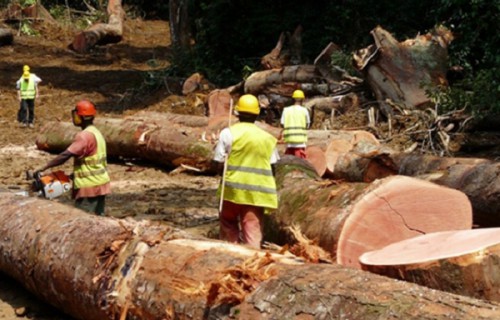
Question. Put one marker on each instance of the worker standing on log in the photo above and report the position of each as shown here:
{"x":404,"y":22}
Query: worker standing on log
{"x":295,"y":121}
{"x":248,"y":186}
{"x":27,"y":92}
{"x":91,"y":182}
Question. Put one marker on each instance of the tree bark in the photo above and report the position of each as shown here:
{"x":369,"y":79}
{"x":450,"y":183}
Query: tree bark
{"x":464,"y":262}
{"x":166,"y":141}
{"x":396,"y":70}
{"x":179,"y":24}
{"x":348,"y":219}
{"x":259,"y":82}
{"x":141,"y":270}
{"x":171,"y":139}
{"x":102,"y":33}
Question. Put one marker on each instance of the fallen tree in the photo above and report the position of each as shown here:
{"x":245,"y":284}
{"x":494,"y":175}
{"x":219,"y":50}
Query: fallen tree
{"x":348,"y":219}
{"x":139,"y":270}
{"x":395,"y":70}
{"x":102,"y":33}
{"x":463,"y":262}
{"x":170,"y":139}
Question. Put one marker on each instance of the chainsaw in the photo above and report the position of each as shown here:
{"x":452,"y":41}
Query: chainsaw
{"x":51,"y":185}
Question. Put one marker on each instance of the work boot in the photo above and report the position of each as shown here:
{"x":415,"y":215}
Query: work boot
{"x":31,"y":125}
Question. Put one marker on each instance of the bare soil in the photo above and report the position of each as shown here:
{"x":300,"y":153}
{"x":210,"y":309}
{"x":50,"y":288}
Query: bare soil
{"x":113,"y":78}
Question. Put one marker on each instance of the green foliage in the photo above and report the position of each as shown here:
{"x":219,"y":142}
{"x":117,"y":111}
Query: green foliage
{"x":27,"y":29}
{"x":343,"y":60}
{"x":27,"y":3}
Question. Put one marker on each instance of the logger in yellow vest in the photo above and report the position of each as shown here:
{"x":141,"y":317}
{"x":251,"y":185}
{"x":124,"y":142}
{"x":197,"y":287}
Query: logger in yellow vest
{"x":27,"y":92}
{"x":295,"y":121}
{"x":248,"y":184}
{"x":91,"y":181}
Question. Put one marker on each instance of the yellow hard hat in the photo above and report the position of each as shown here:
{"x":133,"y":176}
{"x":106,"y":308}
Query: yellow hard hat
{"x":298,"y":94}
{"x":26,"y":68}
{"x":248,"y":103}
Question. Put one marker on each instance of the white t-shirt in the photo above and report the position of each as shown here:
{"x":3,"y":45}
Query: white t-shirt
{"x":225,"y":142}
{"x":35,"y":78}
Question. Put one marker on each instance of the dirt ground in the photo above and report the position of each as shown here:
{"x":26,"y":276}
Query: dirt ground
{"x":112,"y":78}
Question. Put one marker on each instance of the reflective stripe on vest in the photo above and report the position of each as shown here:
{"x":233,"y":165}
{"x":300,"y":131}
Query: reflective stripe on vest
{"x":91,"y":171}
{"x":28,"y":89}
{"x":295,"y":131}
{"x":249,"y":178}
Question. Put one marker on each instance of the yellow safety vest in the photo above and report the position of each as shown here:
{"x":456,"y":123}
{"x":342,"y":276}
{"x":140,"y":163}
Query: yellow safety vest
{"x":91,"y":171}
{"x":295,"y":131}
{"x":249,"y":178}
{"x":28,"y":89}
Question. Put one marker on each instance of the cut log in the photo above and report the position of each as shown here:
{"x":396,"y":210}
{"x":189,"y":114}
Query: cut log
{"x":348,"y":219}
{"x":170,"y":139}
{"x":396,"y":70}
{"x":258,"y":82}
{"x":464,"y":262}
{"x":164,"y":142}
{"x":6,"y":37}
{"x":219,"y":103}
{"x":478,"y":178}
{"x":102,"y":33}
{"x":342,"y":155}
{"x":140,"y":270}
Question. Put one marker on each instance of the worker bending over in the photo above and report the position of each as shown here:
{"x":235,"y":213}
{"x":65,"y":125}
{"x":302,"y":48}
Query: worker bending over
{"x":91,"y":182}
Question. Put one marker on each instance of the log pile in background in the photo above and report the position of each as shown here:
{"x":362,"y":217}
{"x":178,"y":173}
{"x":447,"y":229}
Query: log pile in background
{"x":465,"y":262}
{"x":138,"y":270}
{"x":349,"y":219}
{"x":396,"y":70}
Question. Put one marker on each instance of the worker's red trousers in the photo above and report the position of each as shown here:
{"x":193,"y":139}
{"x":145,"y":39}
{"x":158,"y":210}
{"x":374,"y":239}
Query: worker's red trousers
{"x":298,"y":152}
{"x":234,"y":215}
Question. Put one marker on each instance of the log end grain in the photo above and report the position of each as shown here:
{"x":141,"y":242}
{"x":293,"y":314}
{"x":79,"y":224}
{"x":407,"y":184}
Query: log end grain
{"x":398,"y":208}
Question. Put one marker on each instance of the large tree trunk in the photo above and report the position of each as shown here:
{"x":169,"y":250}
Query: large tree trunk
{"x":172,"y":139}
{"x":396,"y":70}
{"x":349,"y":219}
{"x":478,"y":178}
{"x":465,"y":262}
{"x":180,"y":32}
{"x":102,"y":33}
{"x":137,"y":270}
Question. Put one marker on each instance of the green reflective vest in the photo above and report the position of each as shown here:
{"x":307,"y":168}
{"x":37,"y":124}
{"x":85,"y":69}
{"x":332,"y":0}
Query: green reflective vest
{"x":295,"y":125}
{"x":91,"y":171}
{"x":249,"y":178}
{"x":28,"y":89}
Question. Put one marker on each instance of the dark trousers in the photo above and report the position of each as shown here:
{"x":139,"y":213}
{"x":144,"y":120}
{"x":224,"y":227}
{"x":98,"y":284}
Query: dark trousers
{"x":26,"y":113}
{"x":93,"y":205}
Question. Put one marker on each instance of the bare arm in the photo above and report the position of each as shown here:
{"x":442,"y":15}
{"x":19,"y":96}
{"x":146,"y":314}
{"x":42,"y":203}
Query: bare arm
{"x":58,"y":160}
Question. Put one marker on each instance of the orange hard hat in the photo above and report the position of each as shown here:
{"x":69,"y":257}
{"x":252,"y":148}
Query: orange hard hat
{"x":85,"y":108}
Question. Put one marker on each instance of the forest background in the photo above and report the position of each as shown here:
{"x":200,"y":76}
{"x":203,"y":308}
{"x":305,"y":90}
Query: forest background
{"x":225,"y":39}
